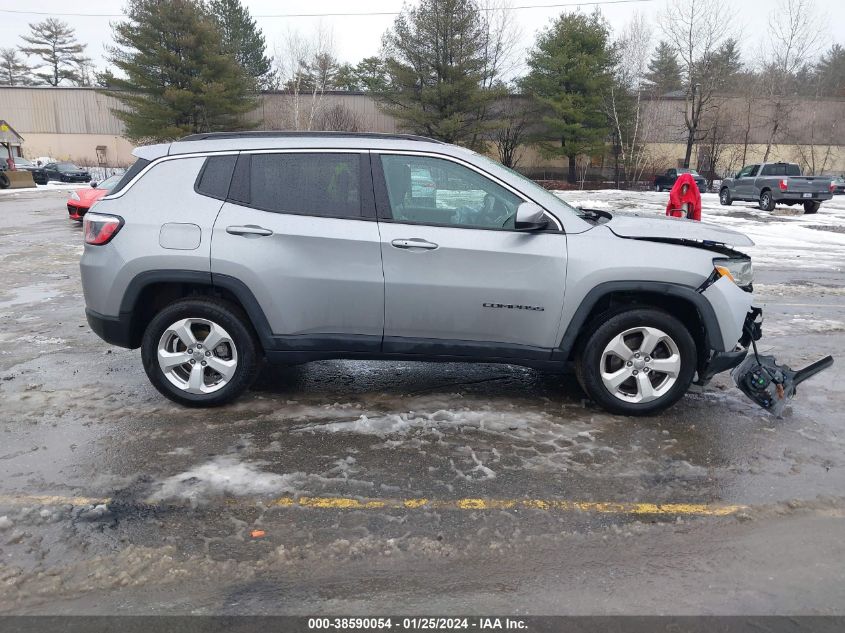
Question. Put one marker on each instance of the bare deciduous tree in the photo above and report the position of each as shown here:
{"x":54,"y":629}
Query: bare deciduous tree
{"x":338,"y":118}
{"x":305,"y":66}
{"x":697,"y":30}
{"x":624,"y":101}
{"x":513,"y":116}
{"x":790,"y":42}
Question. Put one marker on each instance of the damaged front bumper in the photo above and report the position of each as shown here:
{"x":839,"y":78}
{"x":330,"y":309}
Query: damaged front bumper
{"x":717,"y":362}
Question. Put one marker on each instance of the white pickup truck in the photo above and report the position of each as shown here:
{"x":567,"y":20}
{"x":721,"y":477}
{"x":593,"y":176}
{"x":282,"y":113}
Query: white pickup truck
{"x":776,"y":183}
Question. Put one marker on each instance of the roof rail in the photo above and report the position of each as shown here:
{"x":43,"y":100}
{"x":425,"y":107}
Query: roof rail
{"x":207,"y":136}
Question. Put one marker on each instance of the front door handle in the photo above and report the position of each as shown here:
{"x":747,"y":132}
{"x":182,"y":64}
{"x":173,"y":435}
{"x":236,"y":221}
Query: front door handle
{"x":414,"y":242}
{"x":250,"y":230}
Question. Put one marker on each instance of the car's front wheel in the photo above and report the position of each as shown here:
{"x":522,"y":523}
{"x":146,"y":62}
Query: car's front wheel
{"x":811,"y":206}
{"x":200,"y":352}
{"x":637,"y":362}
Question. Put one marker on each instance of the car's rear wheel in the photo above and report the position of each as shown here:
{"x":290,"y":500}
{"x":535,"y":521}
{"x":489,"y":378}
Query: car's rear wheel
{"x":200,"y":352}
{"x":767,"y":202}
{"x":658,"y":188}
{"x":811,"y":206}
{"x":725,"y":197}
{"x":637,"y":362}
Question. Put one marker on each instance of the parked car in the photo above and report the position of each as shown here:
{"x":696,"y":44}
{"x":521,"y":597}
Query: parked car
{"x":839,"y":185}
{"x":66,"y":172}
{"x":422,"y":184}
{"x":770,"y":184}
{"x":664,"y":182}
{"x":219,"y":250}
{"x":81,"y":200}
{"x":38,"y":174}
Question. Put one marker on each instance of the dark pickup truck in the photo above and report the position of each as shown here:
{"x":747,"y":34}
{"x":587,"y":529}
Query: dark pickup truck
{"x":769,"y":184}
{"x":664,"y":182}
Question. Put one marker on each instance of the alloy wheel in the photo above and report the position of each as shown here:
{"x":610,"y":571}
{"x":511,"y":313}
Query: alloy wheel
{"x":197,"y":355}
{"x":640,"y":365}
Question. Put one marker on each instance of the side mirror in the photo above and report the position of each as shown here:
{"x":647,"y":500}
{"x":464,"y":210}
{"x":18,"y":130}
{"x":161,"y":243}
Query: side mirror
{"x":94,"y":184}
{"x":530,"y":217}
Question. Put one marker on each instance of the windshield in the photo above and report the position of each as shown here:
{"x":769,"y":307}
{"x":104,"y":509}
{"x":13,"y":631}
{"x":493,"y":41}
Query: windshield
{"x":541,"y":196}
{"x":691,"y":172}
{"x":67,"y":166}
{"x":23,"y":161}
{"x":109,"y":183}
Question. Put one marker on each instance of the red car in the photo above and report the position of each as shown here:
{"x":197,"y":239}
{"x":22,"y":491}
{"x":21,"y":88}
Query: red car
{"x":82,"y":199}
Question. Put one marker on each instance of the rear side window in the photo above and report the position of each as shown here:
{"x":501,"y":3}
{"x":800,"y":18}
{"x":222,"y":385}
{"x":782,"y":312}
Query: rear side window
{"x":321,"y":184}
{"x":133,"y":171}
{"x":771,"y":170}
{"x":215,"y":176}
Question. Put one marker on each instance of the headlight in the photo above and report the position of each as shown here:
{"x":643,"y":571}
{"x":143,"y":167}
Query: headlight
{"x":737,"y":270}
{"x":74,"y":196}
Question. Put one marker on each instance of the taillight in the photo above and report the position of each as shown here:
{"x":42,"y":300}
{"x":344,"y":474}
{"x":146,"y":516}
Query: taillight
{"x":100,"y":229}
{"x":782,"y":184}
{"x":832,"y":187}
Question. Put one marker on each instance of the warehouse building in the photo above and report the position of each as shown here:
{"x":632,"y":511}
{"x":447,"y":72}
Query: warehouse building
{"x":79,"y":124}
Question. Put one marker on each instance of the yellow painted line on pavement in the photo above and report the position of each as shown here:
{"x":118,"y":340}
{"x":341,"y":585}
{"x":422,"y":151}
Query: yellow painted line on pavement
{"x":352,"y":503}
{"x":548,"y":505}
{"x":51,"y":500}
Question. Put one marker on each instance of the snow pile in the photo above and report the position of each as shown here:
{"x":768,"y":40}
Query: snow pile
{"x":784,"y":238}
{"x":226,"y":475}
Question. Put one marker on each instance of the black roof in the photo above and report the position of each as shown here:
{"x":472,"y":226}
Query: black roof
{"x":205,"y":136}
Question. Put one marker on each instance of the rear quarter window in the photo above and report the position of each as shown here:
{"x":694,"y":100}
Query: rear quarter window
{"x":133,"y":171}
{"x":216,"y":176}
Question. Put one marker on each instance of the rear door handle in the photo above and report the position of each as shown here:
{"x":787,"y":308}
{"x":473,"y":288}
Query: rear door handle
{"x":414,"y":242}
{"x":250,"y":230}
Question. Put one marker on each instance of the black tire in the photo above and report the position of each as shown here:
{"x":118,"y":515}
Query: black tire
{"x":811,"y":206}
{"x":4,"y":181}
{"x":230,"y":318}
{"x":725,"y":197}
{"x":658,"y":188}
{"x":767,"y":202}
{"x":608,"y":326}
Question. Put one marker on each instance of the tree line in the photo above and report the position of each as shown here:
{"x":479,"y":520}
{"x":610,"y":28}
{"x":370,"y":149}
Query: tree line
{"x":446,"y":70}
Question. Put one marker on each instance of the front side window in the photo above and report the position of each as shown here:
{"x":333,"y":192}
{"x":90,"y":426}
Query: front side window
{"x":427,"y":190}
{"x":322,"y":184}
{"x":747,"y":171}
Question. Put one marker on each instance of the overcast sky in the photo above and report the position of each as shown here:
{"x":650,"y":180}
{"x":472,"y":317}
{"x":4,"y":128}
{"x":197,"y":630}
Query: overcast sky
{"x":356,"y":37}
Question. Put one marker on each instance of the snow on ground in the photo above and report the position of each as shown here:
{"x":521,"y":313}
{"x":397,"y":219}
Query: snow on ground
{"x":784,"y":238}
{"x":51,"y":186}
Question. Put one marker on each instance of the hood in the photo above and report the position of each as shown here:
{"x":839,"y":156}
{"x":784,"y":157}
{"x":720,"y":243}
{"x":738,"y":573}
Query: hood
{"x":90,"y":194}
{"x":675,"y":229}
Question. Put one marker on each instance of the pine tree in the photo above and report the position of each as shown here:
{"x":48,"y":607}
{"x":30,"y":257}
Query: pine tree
{"x":178,"y":77}
{"x":243,"y":39}
{"x":664,"y":71}
{"x":569,"y":72}
{"x":346,"y":79}
{"x":13,"y":70}
{"x":371,"y":74}
{"x":435,"y":59}
{"x":54,"y":43}
{"x":831,"y":71}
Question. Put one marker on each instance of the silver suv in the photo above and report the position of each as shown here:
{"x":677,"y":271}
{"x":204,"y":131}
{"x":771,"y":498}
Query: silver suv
{"x":220,"y":250}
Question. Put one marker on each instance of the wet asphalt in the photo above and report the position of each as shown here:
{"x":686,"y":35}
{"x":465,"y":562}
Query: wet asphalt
{"x":114,"y":500}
